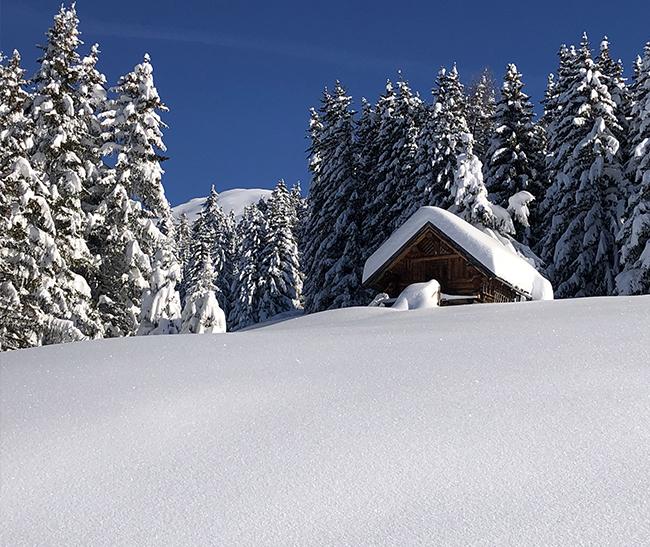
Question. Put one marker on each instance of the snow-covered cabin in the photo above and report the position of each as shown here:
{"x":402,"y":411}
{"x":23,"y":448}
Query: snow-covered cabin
{"x":470,"y":265}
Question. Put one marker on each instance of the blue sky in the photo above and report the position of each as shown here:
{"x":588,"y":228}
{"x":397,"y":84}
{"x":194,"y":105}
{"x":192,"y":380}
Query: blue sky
{"x":239,"y":77}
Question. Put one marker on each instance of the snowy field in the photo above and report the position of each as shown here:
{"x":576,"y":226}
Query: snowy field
{"x":502,"y":424}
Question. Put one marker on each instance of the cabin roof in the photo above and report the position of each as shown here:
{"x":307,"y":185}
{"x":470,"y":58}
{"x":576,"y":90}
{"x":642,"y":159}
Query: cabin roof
{"x":493,"y":257}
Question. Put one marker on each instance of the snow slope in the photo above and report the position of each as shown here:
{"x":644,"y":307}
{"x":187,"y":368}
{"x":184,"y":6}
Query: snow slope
{"x":501,"y":424}
{"x":229,"y":200}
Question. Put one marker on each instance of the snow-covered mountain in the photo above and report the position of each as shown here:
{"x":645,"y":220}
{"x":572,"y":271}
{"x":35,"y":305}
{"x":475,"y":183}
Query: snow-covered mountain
{"x":229,"y":200}
{"x":499,"y":424}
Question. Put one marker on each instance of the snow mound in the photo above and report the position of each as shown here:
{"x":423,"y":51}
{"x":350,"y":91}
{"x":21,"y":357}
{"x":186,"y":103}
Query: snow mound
{"x":469,"y":425}
{"x":419,"y":296}
{"x":496,"y":258}
{"x":234,"y":200}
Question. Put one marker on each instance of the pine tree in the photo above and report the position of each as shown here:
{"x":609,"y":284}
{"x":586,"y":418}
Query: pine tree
{"x":560,"y":96}
{"x":379,"y":176}
{"x":612,"y":76}
{"x":471,"y":198}
{"x":366,"y":130}
{"x":201,"y":312}
{"x":253,"y":230}
{"x":393,"y":180}
{"x":213,"y":229}
{"x":514,"y":158}
{"x":135,"y":134}
{"x":280,"y":276}
{"x":584,"y":198}
{"x":451,"y":136}
{"x":28,"y":253}
{"x":635,"y":234}
{"x":331,"y":254}
{"x":456,"y":178}
{"x":92,"y":99}
{"x":137,"y":138}
{"x":114,"y":217}
{"x":424,"y":161}
{"x":183,"y":244}
{"x":481,"y":102}
{"x":60,"y":149}
{"x":125,"y":268}
{"x":558,"y":123}
{"x":555,"y":129}
{"x":299,"y":204}
{"x":410,"y":115}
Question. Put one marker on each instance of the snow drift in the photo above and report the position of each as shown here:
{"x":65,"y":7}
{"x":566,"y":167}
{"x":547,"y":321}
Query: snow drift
{"x":419,"y":296}
{"x":501,"y":424}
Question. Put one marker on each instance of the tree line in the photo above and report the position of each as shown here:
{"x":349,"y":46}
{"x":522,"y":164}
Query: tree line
{"x":569,"y":191}
{"x":89,"y":247}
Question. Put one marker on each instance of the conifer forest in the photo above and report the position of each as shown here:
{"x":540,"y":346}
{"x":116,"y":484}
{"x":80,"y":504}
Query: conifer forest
{"x":89,"y":247}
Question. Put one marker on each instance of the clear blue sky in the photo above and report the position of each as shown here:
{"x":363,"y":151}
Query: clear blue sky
{"x":239,"y":77}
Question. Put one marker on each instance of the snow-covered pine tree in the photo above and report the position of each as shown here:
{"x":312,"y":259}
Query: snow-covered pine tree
{"x":201,"y":312}
{"x":481,"y":100}
{"x":299,"y":204}
{"x":160,"y":311}
{"x":552,"y":129}
{"x":514,"y":158}
{"x":317,"y":195}
{"x":450,"y":134}
{"x":557,"y":125}
{"x":136,"y":136}
{"x":252,"y":235}
{"x":635,"y":234}
{"x":61,"y":136}
{"x":25,"y":278}
{"x":559,"y":95}
{"x":612,"y":76}
{"x":114,"y":216}
{"x":366,"y":130}
{"x":183,"y":242}
{"x":392,"y":184}
{"x":456,"y":178}
{"x":13,"y":318}
{"x":376,"y":167}
{"x":423,"y":160}
{"x":214,"y":229}
{"x":471,"y":197}
{"x":332,"y":244}
{"x":410,"y":115}
{"x":125,"y":268}
{"x":91,"y":97}
{"x":280,"y":276}
{"x":584,"y":199}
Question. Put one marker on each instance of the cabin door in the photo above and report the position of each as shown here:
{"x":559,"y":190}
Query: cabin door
{"x":437,"y":270}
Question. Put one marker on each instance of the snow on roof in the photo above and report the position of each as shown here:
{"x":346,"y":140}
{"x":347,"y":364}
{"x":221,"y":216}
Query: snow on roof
{"x":491,"y":254}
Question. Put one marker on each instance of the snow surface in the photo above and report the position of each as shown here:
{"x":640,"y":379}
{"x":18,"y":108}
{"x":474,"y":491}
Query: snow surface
{"x":488,"y":251}
{"x":229,"y":200}
{"x":501,"y":424}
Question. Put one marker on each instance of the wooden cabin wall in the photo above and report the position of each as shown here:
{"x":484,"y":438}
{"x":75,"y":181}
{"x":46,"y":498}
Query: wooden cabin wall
{"x":453,"y":272}
{"x":494,"y":290}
